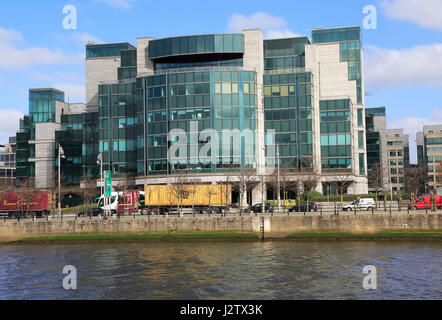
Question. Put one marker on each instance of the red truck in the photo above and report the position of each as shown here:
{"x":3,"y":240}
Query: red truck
{"x":26,"y":203}
{"x":425,"y":202}
{"x":129,"y":203}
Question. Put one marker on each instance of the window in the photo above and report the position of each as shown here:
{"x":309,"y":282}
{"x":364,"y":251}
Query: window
{"x":360,"y":117}
{"x":362,"y":163}
{"x":434,"y":141}
{"x":361,"y":139}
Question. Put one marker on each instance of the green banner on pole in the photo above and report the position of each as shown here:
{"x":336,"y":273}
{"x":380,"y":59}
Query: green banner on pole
{"x":107,"y":183}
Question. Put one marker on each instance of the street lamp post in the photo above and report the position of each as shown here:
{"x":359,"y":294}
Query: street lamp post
{"x":100,"y":161}
{"x":60,"y":155}
{"x":279,"y":183}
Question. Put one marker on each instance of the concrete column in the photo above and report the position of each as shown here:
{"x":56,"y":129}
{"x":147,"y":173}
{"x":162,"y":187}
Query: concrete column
{"x":144,"y":64}
{"x":103,"y":69}
{"x":257,"y":195}
{"x":254,"y":59}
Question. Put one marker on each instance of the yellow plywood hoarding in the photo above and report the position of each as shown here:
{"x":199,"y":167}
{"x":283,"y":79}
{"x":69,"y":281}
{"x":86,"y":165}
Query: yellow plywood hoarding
{"x":187,"y":195}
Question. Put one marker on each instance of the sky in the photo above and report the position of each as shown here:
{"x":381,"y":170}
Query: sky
{"x":402,"y":46}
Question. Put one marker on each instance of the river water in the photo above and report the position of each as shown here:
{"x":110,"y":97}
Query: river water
{"x":223,"y":270}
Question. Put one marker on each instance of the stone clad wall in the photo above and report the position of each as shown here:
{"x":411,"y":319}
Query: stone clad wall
{"x":362,"y":223}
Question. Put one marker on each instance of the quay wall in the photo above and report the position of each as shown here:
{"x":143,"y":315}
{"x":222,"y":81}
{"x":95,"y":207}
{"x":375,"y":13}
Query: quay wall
{"x":278,"y":224}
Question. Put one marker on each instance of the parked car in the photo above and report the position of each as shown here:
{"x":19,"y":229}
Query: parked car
{"x":207,"y":210}
{"x":363,"y":204}
{"x":257,"y":208}
{"x":303,"y":207}
{"x":95,"y":212}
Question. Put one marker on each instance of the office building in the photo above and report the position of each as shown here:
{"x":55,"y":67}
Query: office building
{"x":7,"y":163}
{"x":309,"y":93}
{"x":377,"y":156}
{"x":429,"y":144}
{"x":398,"y":158}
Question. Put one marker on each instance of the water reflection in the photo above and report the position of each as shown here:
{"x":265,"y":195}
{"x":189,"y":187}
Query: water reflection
{"x":227,"y":270}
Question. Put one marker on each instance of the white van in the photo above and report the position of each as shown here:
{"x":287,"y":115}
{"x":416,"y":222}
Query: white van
{"x":364,"y":204}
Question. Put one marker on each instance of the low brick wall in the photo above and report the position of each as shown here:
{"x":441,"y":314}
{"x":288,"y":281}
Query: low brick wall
{"x":361,"y":223}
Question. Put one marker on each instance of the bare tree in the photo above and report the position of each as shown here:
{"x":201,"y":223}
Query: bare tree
{"x":148,"y":195}
{"x":263,"y":190}
{"x":416,"y":180}
{"x":288,"y":183}
{"x":123,"y":183}
{"x":342,"y":182}
{"x":25,"y":195}
{"x":310,"y":178}
{"x":375,"y":179}
{"x":62,"y":191}
{"x":194,"y":182}
{"x":210,"y":191}
{"x":157,"y":191}
{"x":180,"y":190}
{"x":246,"y":178}
{"x":90,"y":192}
{"x":438,"y":173}
{"x":225,"y":192}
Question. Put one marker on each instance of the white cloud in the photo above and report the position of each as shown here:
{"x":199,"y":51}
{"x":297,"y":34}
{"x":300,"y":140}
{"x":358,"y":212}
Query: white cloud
{"x":425,"y":13}
{"x":9,"y":123}
{"x":411,"y":125}
{"x":75,"y":92}
{"x":69,"y":82}
{"x":272,"y":27}
{"x":12,"y":56}
{"x":82,"y":38}
{"x":122,"y":4}
{"x":420,"y":65}
{"x":56,"y":76}
{"x":279,"y":34}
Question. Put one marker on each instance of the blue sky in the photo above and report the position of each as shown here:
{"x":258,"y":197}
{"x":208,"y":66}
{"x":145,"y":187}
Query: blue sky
{"x":403,"y":55}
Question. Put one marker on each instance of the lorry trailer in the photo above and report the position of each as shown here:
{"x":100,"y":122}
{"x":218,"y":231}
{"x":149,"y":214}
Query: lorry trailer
{"x":26,"y":203}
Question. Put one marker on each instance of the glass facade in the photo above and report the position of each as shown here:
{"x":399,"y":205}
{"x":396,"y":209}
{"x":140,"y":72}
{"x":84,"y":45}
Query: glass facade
{"x":194,"y":102}
{"x":213,"y":64}
{"x":336,"y":35}
{"x":288,"y":102}
{"x":70,"y":138}
{"x":285,"y":55}
{"x":373,"y":149}
{"x":335,"y":117}
{"x":201,"y":44}
{"x":117,"y":124}
{"x":24,"y":168}
{"x":89,"y":150}
{"x":128,"y":69}
{"x":106,"y":50}
{"x":288,"y":111}
{"x":42,"y":106}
